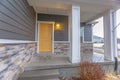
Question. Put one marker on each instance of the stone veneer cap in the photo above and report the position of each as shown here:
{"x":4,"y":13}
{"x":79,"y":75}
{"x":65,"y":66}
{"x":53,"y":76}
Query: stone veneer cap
{"x":7,"y":41}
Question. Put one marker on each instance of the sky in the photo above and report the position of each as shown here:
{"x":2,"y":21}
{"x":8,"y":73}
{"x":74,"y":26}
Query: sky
{"x":118,"y":21}
{"x":98,"y":29}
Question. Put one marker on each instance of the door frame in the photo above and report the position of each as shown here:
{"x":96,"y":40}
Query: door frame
{"x":38,"y":30}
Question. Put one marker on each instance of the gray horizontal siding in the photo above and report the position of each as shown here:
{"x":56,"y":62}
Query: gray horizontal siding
{"x":88,"y":33}
{"x":17,"y":20}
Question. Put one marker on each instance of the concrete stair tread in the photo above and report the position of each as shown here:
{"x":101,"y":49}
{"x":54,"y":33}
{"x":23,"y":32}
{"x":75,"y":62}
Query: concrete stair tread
{"x":40,"y":73}
{"x":37,"y":79}
{"x":54,"y":79}
{"x":51,"y":67}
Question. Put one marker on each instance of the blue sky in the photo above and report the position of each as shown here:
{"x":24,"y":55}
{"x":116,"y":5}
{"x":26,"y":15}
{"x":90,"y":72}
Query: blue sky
{"x":98,"y":29}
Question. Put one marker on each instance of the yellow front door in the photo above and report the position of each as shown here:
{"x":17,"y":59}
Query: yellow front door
{"x":45,"y":38}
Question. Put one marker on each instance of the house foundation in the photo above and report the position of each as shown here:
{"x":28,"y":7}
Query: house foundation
{"x":62,"y":49}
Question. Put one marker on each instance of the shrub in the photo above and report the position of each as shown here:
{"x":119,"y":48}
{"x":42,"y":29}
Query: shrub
{"x":90,"y":71}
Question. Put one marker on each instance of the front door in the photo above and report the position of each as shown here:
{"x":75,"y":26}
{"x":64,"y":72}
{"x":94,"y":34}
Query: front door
{"x":45,"y":37}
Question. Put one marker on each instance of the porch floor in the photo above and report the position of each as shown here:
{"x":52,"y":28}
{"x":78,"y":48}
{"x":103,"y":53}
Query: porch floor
{"x":43,"y":62}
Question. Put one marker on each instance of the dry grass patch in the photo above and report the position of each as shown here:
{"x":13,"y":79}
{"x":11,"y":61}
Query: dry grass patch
{"x":111,"y":76}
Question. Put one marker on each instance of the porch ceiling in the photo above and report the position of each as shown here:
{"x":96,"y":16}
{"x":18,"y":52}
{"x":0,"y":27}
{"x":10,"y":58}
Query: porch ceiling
{"x":90,"y":9}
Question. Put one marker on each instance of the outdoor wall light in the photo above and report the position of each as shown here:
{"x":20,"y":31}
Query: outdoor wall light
{"x":58,"y":26}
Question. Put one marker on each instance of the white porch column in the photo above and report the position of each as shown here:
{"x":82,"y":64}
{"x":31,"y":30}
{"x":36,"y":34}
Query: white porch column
{"x":75,"y":34}
{"x":110,"y":39}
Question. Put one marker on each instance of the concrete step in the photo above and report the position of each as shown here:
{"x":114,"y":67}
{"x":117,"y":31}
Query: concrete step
{"x":54,"y":79}
{"x":52,"y":74}
{"x":36,"y":79}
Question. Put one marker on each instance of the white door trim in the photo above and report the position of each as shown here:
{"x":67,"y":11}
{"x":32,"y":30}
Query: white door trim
{"x":53,"y":23}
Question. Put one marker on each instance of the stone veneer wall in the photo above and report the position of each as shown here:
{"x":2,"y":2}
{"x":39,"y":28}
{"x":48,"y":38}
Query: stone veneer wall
{"x":86,"y":51}
{"x":62,"y":48}
{"x":13,"y":58}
